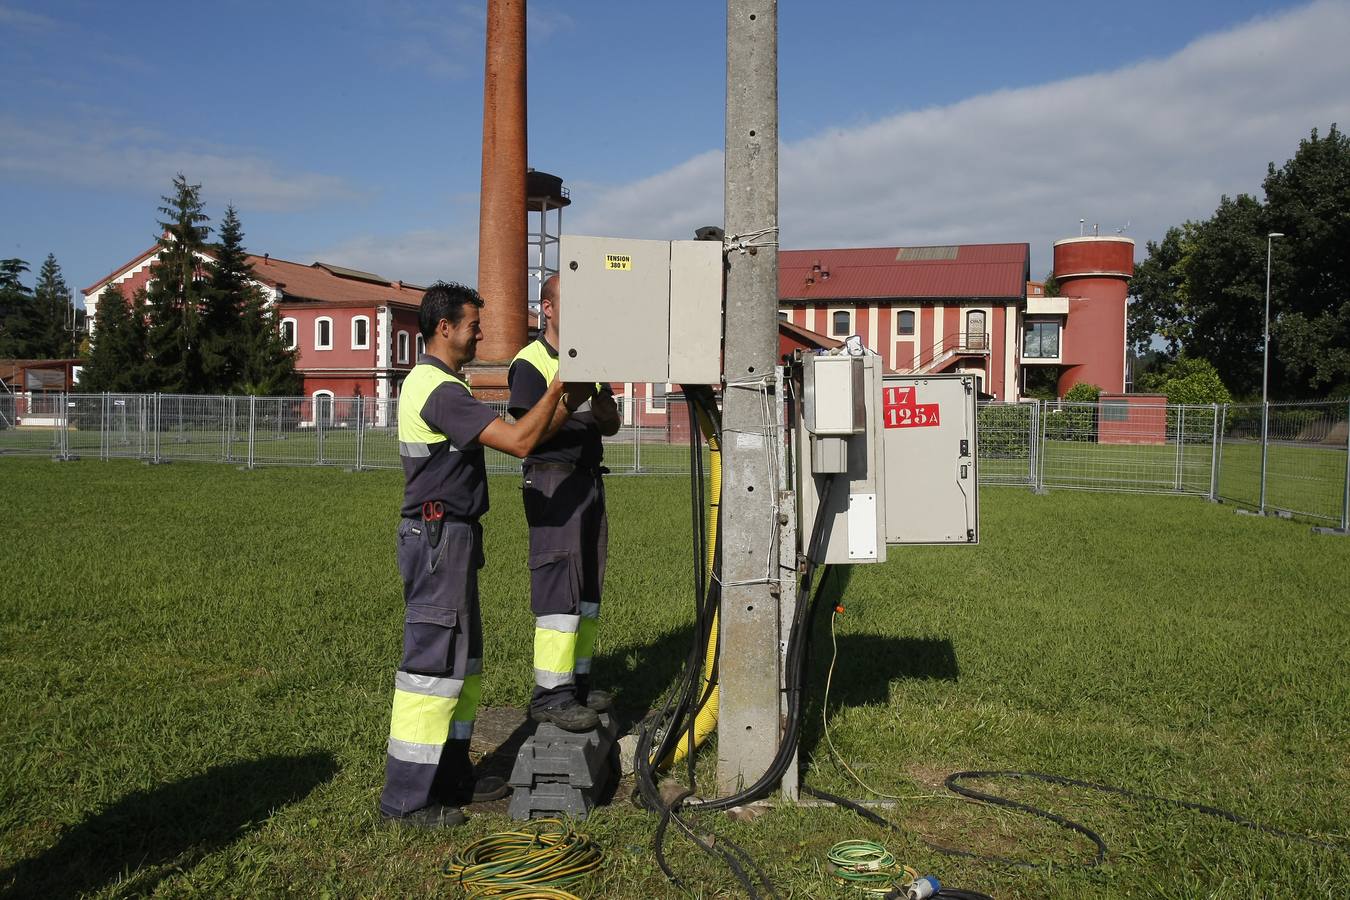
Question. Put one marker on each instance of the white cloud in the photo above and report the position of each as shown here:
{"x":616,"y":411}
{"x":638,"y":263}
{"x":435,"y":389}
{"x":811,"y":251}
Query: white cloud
{"x":1151,"y":144}
{"x":95,"y":154}
{"x":420,"y":256}
{"x":11,"y":16}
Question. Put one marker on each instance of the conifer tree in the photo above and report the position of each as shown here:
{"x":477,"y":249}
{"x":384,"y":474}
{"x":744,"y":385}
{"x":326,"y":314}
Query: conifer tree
{"x":269,"y":368}
{"x":50,"y":321}
{"x":178,"y":292}
{"x":15,"y":296}
{"x":224,"y":341}
{"x":117,"y":360}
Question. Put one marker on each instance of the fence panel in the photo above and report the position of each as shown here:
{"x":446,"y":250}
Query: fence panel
{"x":1008,"y":434}
{"x":1135,"y":448}
{"x":284,"y":432}
{"x":379,"y":437}
{"x":1306,"y":459}
{"x":191,"y":428}
{"x":1240,"y":455}
{"x":31,"y":423}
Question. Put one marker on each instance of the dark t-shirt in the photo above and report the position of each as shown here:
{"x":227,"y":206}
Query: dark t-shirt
{"x":453,"y":471}
{"x":577,"y":441}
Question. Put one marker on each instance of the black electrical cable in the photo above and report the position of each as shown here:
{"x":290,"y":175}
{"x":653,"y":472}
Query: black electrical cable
{"x":705,"y":599}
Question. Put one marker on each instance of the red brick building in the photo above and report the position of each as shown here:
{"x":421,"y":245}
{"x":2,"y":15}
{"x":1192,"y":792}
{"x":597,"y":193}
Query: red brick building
{"x":355,"y":333}
{"x":971,"y":308}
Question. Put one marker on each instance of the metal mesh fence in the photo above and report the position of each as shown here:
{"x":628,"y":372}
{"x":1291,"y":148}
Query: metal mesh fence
{"x":1135,"y":448}
{"x":1008,"y":442}
{"x":1306,"y":456}
{"x":1213,"y":451}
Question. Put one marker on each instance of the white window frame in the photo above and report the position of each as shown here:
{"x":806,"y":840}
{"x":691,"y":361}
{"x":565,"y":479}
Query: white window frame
{"x":835,"y":332}
{"x":364,"y":345}
{"x":332,"y":405}
{"x":651,"y":405}
{"x":402,"y":343}
{"x":295,"y":333}
{"x":318,"y":325}
{"x":420,"y":343}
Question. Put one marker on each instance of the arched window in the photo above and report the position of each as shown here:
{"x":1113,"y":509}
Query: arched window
{"x":403,"y":347}
{"x":904,"y":322}
{"x":361,"y":333}
{"x":323,"y":333}
{"x":841,"y":324}
{"x":323,"y":407}
{"x":288,"y":333}
{"x":975,"y":334}
{"x":421,"y":346}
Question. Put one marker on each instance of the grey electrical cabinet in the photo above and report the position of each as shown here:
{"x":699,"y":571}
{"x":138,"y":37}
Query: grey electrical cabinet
{"x":640,"y":310}
{"x":839,"y":458}
{"x":931,"y":493}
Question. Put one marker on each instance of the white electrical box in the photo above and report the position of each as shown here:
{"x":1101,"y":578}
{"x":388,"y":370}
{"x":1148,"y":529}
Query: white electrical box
{"x":640,"y":310}
{"x":847,"y":467}
{"x":931,"y":490}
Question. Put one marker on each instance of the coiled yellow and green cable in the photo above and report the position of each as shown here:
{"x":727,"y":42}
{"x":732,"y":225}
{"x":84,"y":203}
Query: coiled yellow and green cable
{"x":525,"y":865}
{"x":867,"y":865}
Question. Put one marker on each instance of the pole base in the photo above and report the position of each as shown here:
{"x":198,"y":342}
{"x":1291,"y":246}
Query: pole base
{"x":1338,"y":532}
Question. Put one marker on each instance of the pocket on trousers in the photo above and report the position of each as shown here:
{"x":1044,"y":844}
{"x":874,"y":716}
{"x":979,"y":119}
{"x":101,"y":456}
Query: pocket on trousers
{"x":420,"y":614}
{"x":555,"y":582}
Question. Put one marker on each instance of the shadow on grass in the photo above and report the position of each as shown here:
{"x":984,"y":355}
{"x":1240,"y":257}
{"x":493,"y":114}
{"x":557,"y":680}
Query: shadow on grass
{"x":150,"y":834}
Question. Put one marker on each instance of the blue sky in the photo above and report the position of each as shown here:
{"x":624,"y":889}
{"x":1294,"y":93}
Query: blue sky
{"x":349,"y":132}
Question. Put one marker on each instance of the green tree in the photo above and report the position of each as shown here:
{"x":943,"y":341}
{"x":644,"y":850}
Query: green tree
{"x":269,"y":368}
{"x":117,"y":350}
{"x":14,"y":299}
{"x":176,"y":296}
{"x":1187,"y":380}
{"x":1202,"y":289}
{"x":1308,"y":200}
{"x":224,"y":343}
{"x":50,"y":323}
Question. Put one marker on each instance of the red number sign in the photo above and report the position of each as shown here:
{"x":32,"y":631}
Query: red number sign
{"x":900,"y":409}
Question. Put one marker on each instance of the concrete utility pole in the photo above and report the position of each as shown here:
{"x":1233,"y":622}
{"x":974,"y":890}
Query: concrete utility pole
{"x":750,"y":667}
{"x":503,"y":264}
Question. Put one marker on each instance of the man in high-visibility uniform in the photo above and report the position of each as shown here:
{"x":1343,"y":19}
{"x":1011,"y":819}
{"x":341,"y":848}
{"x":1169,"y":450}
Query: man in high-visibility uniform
{"x":442,"y":431}
{"x":565,"y":508}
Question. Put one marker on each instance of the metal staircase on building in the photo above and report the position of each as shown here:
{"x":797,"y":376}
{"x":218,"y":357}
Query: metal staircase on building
{"x":952,"y":346}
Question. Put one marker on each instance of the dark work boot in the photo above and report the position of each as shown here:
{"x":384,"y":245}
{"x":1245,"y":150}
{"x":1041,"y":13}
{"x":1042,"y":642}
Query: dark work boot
{"x":436,"y":815}
{"x":457,"y":783}
{"x":569,"y":716}
{"x":598,"y":700}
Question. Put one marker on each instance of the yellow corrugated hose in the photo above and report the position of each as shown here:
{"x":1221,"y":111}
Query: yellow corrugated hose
{"x":705,"y":722}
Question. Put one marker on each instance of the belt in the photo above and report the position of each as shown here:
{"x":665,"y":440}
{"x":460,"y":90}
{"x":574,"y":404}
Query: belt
{"x":446,"y":518}
{"x":597,"y":471}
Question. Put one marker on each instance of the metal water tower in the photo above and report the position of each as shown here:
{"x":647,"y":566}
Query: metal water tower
{"x":544,"y":195}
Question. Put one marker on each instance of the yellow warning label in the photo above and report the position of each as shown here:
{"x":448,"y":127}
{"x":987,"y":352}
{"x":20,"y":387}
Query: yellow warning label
{"x":618,"y":262}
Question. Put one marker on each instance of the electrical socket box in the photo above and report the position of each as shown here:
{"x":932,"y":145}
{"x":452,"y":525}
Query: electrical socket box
{"x":853,"y":525}
{"x":931,"y":491}
{"x":640,"y":310}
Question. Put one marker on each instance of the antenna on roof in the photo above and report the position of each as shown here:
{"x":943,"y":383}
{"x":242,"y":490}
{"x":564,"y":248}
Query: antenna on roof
{"x":1081,"y":223}
{"x":1124,"y":228}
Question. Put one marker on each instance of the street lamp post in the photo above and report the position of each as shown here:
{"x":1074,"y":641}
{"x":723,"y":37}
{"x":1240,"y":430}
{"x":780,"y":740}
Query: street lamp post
{"x":1265,"y":374}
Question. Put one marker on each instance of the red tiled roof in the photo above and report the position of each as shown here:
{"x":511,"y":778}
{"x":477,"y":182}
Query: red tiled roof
{"x":973,"y":270}
{"x":316,"y":283}
{"x":300,"y":282}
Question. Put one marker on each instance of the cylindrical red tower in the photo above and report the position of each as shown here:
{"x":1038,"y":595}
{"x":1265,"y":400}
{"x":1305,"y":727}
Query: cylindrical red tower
{"x":1094,"y":273}
{"x":503,"y":264}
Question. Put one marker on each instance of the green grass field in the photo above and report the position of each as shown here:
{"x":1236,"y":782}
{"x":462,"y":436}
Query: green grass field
{"x":197,"y":665}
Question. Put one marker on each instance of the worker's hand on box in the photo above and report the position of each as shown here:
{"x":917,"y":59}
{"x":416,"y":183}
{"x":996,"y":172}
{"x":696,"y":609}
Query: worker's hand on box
{"x":575,"y":393}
